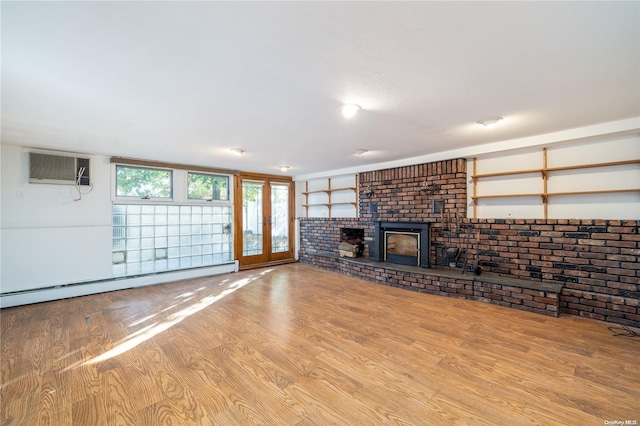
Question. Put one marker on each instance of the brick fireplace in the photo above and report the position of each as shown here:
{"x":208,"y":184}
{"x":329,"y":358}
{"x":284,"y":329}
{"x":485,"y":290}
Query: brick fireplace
{"x":404,"y":243}
{"x":584,"y":267}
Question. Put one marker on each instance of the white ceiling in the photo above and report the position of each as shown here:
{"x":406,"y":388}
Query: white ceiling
{"x":186,"y":81}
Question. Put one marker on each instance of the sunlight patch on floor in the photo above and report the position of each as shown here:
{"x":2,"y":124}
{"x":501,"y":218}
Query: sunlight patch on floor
{"x":150,"y":331}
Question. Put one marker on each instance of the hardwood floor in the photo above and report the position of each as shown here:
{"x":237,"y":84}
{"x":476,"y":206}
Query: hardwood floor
{"x":293,"y":345}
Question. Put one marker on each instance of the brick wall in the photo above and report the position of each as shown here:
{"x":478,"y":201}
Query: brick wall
{"x":397,"y":195}
{"x":597,"y":261}
{"x":322,"y":236}
{"x":541,"y":300}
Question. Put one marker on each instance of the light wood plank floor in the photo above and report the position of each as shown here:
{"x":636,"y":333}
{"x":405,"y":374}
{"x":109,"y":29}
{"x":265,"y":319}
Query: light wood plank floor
{"x":293,"y":345}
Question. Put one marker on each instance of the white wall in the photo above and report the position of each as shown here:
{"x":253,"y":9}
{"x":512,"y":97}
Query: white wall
{"x":48,"y":238}
{"x":592,"y":206}
{"x":53,"y":247}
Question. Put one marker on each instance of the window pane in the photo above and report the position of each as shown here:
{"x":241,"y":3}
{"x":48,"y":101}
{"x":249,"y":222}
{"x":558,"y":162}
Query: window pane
{"x":252,"y":218}
{"x":279,"y":217}
{"x":208,"y":187}
{"x":143,"y":183}
{"x":144,"y":248}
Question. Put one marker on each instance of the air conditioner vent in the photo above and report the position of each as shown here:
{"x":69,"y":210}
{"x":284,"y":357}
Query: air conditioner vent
{"x":58,"y":169}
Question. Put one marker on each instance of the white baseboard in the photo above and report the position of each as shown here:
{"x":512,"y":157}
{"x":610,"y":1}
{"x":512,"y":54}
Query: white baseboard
{"x":82,"y":289}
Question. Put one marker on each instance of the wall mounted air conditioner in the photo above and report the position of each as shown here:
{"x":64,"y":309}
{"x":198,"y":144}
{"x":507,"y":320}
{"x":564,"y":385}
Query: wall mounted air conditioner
{"x":58,"y":169}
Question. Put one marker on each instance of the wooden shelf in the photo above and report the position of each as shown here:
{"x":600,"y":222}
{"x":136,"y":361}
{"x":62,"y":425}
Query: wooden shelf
{"x":551,"y":194}
{"x":478,"y":197}
{"x":602,"y":191}
{"x":554,"y":169}
{"x":591,"y":166}
{"x":509,"y":173}
{"x":351,"y":188}
{"x":329,"y":204}
{"x":544,"y":172}
{"x":326,"y":191}
{"x":329,"y":191}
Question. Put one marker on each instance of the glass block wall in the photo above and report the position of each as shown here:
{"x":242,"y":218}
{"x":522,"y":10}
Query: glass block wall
{"x":156,"y":238}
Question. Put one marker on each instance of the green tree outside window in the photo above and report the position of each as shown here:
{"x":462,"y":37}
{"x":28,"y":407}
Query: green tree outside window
{"x":143,"y":183}
{"x":208,"y":187}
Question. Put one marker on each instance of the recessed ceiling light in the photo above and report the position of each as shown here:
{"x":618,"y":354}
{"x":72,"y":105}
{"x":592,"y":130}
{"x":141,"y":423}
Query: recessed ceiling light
{"x":361,"y":151}
{"x":237,"y":151}
{"x":349,"y":110}
{"x":284,"y":168}
{"x":487,"y":122}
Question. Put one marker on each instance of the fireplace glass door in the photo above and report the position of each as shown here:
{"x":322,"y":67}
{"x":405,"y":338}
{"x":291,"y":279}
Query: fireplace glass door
{"x":402,"y":247}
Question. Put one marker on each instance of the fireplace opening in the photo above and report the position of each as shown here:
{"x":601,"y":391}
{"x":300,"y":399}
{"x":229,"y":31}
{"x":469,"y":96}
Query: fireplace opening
{"x":402,"y":247}
{"x":351,"y":242}
{"x":403,"y":243}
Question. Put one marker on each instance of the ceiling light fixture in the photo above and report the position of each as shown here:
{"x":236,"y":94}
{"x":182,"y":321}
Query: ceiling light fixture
{"x":488,"y":122}
{"x":361,"y":151}
{"x":237,"y":151}
{"x":349,"y":110}
{"x":284,"y":168}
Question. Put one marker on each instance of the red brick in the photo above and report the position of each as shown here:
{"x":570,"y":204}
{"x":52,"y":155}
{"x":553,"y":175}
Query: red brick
{"x":633,"y":317}
{"x":591,"y":242}
{"x":622,"y":308}
{"x":565,"y":228}
{"x":545,"y":300}
{"x":592,"y":316}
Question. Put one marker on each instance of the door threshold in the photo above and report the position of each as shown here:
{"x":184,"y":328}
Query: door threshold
{"x":266,"y":264}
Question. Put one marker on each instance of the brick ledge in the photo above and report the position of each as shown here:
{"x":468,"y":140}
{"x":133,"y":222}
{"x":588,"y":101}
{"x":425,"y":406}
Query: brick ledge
{"x":538,"y":297}
{"x":486,"y":277}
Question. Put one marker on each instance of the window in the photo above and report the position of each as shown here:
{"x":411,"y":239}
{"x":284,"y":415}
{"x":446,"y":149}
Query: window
{"x":160,"y":222}
{"x":143,"y":183}
{"x":150,"y":238}
{"x":207,"y":187}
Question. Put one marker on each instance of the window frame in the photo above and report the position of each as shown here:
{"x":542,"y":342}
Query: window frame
{"x":228,"y":201}
{"x":128,"y":198}
{"x":179,"y":199}
{"x":179,"y":187}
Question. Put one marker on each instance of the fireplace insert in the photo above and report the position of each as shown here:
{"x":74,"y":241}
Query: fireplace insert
{"x":404,"y":243}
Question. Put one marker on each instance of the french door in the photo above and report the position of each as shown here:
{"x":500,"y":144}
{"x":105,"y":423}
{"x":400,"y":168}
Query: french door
{"x":264,"y":219}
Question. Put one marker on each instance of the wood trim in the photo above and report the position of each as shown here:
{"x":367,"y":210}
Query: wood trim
{"x":237,"y":217}
{"x":545,"y":178}
{"x":163,"y":165}
{"x":329,"y":196}
{"x":267,"y":257}
{"x":267,"y":264}
{"x":265,"y":177}
{"x":475,"y":188}
{"x":306,"y":197}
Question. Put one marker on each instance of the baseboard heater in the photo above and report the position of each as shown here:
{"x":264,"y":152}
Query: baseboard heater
{"x":66,"y":291}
